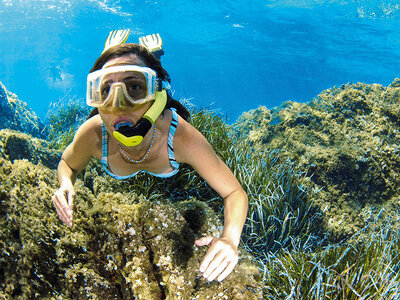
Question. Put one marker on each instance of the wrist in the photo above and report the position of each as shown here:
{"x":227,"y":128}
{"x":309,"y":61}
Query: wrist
{"x":232,"y":238}
{"x":66,"y":183}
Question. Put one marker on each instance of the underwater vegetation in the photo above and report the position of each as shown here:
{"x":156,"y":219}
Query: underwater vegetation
{"x":16,"y":145}
{"x":64,"y":118}
{"x":365,"y":269}
{"x":323,"y":222}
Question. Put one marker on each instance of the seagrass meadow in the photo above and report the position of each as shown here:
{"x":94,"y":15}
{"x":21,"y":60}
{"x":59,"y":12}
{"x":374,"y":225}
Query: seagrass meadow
{"x":323,"y":223}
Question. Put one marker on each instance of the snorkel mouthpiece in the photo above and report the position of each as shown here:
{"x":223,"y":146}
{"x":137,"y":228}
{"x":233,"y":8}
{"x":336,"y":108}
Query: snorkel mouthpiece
{"x":133,"y":135}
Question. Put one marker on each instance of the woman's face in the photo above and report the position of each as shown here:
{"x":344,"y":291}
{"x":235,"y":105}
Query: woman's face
{"x":132,"y":115}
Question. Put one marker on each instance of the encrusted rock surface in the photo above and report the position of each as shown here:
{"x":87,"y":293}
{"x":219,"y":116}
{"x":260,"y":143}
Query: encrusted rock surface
{"x":347,"y":141}
{"x":122,"y":246}
{"x":16,"y":145}
{"x":16,"y":115}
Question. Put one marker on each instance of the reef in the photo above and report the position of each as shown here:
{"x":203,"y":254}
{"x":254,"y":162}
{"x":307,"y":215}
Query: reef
{"x":346,"y":142}
{"x":122,"y":245}
{"x":15,"y":114}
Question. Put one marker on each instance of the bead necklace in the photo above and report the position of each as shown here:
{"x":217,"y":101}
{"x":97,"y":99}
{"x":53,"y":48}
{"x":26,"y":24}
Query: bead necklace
{"x":132,"y":161}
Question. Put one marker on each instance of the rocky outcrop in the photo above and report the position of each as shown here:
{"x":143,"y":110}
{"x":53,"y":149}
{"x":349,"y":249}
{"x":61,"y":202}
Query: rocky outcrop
{"x":16,"y":145}
{"x":122,"y":246}
{"x":346,"y":141}
{"x":16,"y":115}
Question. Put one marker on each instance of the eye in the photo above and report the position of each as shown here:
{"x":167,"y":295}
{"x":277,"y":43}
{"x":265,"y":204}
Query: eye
{"x":105,"y":90}
{"x":134,"y":87}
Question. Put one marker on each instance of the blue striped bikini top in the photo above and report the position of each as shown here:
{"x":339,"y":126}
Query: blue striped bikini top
{"x":171,"y":156}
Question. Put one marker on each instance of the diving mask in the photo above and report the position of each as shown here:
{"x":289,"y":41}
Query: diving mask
{"x":120,"y":87}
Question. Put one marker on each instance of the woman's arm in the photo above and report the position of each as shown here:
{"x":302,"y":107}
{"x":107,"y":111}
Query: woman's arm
{"x":74,"y":159}
{"x":191,"y":147}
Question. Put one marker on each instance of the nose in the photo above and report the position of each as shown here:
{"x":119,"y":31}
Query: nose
{"x":116,"y":99}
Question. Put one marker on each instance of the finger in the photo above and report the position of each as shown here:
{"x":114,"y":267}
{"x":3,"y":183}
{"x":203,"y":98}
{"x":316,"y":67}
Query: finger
{"x":62,"y":210}
{"x":229,"y":268}
{"x":216,"y":267}
{"x":71,"y":200}
{"x":218,"y":258}
{"x":204,"y":241}
{"x":59,"y":208}
{"x":211,"y":253}
{"x":66,"y":208}
{"x":61,"y":213}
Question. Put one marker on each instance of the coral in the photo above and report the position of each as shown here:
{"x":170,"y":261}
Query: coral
{"x":122,"y":246}
{"x":346,"y":142}
{"x":15,"y":114}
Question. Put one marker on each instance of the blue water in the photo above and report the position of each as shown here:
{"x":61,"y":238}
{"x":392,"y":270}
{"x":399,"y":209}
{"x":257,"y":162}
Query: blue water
{"x":235,"y":55}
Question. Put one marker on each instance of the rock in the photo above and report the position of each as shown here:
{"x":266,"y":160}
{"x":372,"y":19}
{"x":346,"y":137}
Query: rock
{"x":122,"y":246}
{"x":15,"y":114}
{"x":346,"y":141}
{"x":16,"y":145}
{"x":395,"y":83}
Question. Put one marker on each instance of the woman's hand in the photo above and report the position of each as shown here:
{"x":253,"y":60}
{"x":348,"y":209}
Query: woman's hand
{"x":63,"y":200}
{"x":220,"y":259}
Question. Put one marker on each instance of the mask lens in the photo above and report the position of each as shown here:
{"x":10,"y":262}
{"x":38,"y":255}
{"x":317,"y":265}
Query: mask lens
{"x":135,"y":85}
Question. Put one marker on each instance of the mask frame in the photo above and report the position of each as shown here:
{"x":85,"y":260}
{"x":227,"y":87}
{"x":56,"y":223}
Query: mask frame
{"x":94,"y":80}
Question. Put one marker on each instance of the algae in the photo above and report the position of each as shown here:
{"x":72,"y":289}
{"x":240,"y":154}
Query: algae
{"x":64,"y":119}
{"x":17,"y":145}
{"x":346,"y":141}
{"x":122,"y":246}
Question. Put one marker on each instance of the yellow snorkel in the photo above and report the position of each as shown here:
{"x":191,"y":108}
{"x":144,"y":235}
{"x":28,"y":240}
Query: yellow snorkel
{"x":133,"y":136}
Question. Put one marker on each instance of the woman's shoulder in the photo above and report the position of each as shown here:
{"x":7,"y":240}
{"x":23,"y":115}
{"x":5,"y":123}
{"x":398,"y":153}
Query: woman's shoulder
{"x":188,"y":140}
{"x":171,"y":121}
{"x":90,"y":130}
{"x":185,"y":130}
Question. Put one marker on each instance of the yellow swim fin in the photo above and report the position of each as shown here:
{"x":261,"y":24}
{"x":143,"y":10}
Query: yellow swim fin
{"x":153,"y":43}
{"x":116,"y":37}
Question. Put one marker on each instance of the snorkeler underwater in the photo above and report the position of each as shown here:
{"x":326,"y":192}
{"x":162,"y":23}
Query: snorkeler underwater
{"x":133,"y":186}
{"x":137,"y":127}
{"x":122,"y":88}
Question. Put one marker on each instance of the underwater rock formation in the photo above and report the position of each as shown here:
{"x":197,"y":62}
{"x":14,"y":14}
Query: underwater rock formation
{"x":347,"y":142}
{"x":122,"y":246}
{"x":16,"y":145}
{"x":15,"y":114}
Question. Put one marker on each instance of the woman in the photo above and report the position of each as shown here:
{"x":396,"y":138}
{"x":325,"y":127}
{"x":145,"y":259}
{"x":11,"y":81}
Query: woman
{"x":121,"y":86}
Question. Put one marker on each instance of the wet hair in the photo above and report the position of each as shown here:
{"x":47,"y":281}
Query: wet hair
{"x":150,"y":61}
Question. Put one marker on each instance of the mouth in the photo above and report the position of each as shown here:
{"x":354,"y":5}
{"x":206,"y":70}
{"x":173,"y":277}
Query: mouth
{"x":122,"y":123}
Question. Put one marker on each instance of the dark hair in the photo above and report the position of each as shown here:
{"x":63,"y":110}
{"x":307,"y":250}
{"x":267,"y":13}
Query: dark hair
{"x":150,"y":60}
